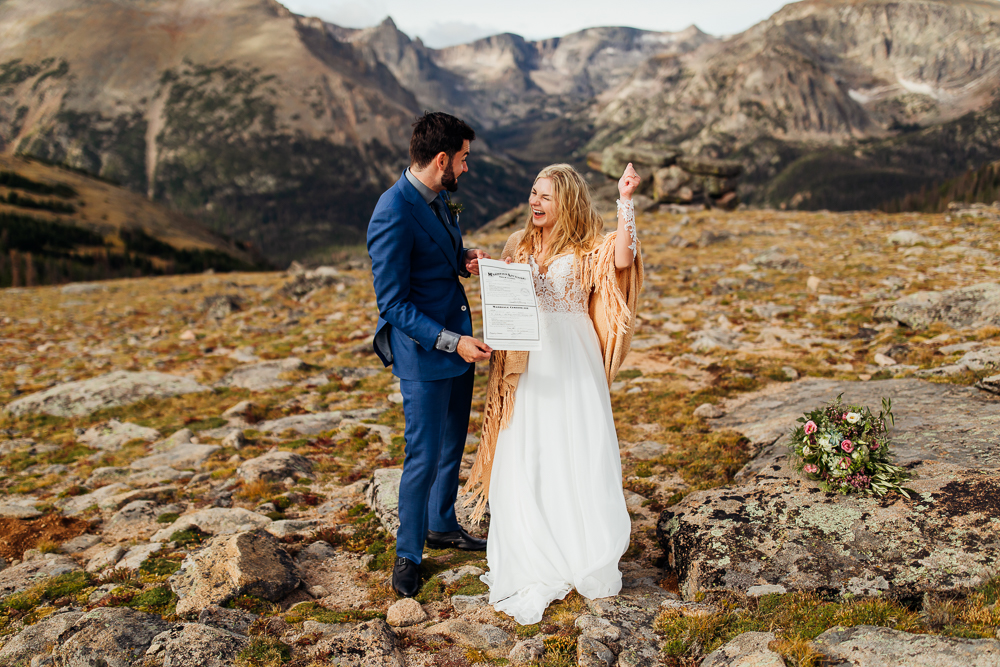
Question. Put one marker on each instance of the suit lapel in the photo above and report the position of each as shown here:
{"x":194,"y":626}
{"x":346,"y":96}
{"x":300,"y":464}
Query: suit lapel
{"x":425,"y":217}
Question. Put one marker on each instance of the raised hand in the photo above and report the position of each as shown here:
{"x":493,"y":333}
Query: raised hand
{"x":628,"y":183}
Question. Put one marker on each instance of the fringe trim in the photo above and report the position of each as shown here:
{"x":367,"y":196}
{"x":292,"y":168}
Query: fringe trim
{"x":620,"y":293}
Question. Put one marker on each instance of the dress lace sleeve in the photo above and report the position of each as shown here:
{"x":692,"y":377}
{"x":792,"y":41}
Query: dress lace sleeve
{"x":626,"y":209}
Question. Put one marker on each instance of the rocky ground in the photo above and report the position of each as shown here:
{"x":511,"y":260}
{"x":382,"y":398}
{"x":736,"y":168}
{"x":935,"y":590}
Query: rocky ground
{"x":201,"y":469}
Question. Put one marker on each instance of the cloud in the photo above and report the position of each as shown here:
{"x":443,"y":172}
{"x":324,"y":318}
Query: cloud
{"x":440,"y":35}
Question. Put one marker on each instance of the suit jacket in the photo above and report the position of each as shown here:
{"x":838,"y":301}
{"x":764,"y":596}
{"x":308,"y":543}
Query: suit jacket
{"x":416,"y":264}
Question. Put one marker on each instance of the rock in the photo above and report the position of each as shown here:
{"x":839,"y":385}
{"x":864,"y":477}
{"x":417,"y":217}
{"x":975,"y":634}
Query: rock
{"x":966,"y":307}
{"x":713,"y":338}
{"x":865,"y":645}
{"x":234,"y":439}
{"x":38,"y":639}
{"x":79,"y":543}
{"x":450,"y":577}
{"x":19,"y":507}
{"x":906,"y":237}
{"x":983,"y":359}
{"x":464,"y":603}
{"x":232,"y":620}
{"x":136,"y":520}
{"x":158,"y":475}
{"x":710,"y":237}
{"x":646,"y":161}
{"x":182,"y":456}
{"x":309,"y":424}
{"x":220,"y":306}
{"x":790,"y":373}
{"x":776,"y":258}
{"x":527,"y":650}
{"x":179,"y":437}
{"x":746,"y":650}
{"x":774,"y":527}
{"x":74,"y":399}
{"x":105,"y":559}
{"x":275,"y":466}
{"x":600,"y":629}
{"x":215,"y":521}
{"x":768,"y":589}
{"x":318,"y":550}
{"x":592,"y":653}
{"x":709,"y":166}
{"x":473,"y":635}
{"x":990,"y":384}
{"x":646,"y":450}
{"x":114,"y":497}
{"x":708,"y":411}
{"x":106,"y":475}
{"x":251,"y":563}
{"x":883,"y":360}
{"x":383,"y":497}
{"x":405,"y":612}
{"x":769,"y":311}
{"x":690,"y":609}
{"x":813,"y":283}
{"x":111,"y":435}
{"x":240,"y":411}
{"x":135,"y":556}
{"x":110,"y":637}
{"x":197,"y":644}
{"x":264,"y":376}
{"x":17,"y":578}
{"x":370,"y":644}
{"x":289,"y":527}
{"x":667,"y":181}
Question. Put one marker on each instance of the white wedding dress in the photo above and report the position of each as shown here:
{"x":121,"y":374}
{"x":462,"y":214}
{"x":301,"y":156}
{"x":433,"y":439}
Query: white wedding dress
{"x":558,"y":516}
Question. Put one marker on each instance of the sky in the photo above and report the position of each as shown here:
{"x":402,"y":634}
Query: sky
{"x":442,"y":23}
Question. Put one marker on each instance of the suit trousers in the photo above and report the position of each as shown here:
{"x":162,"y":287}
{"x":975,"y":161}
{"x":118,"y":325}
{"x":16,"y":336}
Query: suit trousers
{"x":437,"y":424}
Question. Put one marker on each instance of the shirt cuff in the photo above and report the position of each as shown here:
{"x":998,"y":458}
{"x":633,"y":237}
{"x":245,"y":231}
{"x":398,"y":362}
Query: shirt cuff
{"x":447,"y":341}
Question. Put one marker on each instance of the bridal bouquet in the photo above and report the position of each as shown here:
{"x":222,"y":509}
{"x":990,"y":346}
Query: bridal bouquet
{"x":847,"y":450}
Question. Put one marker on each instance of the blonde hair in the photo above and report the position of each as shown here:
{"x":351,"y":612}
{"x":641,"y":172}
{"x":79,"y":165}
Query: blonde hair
{"x":578,"y":226}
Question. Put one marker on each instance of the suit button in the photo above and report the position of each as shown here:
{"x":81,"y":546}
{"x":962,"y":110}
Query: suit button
{"x":464,"y":309}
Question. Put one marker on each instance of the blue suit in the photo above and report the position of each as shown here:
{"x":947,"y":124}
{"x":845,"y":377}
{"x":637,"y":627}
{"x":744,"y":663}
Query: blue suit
{"x":416,"y":264}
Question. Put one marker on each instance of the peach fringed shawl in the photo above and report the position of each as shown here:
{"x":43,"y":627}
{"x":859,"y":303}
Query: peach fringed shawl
{"x":612,"y":309}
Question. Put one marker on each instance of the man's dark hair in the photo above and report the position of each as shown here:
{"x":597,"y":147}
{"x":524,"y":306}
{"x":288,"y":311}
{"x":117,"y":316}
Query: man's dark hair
{"x":437,"y":132}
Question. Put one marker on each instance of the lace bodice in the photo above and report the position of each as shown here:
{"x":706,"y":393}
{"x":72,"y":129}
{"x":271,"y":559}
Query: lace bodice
{"x":559,"y":289}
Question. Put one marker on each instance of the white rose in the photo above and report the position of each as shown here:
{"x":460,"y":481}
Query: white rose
{"x":806,"y":451}
{"x":853,"y":417}
{"x":824,"y":442}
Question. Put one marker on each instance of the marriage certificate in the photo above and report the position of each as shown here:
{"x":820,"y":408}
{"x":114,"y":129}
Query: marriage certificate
{"x":510,"y":308}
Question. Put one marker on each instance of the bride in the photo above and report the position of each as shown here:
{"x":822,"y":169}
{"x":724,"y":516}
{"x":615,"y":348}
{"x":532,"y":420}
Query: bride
{"x":548,"y":462}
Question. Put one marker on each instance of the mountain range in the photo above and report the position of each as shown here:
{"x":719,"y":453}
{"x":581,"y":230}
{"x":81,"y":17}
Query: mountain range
{"x":281,"y":130}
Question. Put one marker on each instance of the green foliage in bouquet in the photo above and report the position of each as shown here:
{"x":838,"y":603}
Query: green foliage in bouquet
{"x":846,"y":449}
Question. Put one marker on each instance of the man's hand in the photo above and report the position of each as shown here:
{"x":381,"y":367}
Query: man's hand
{"x":472,"y":258}
{"x":473,"y":350}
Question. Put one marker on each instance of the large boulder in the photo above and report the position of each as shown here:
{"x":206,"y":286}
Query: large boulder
{"x":710,"y":167}
{"x":74,"y":399}
{"x":866,"y":645}
{"x":215,"y":521}
{"x":264,"y":376}
{"x":275,"y":466}
{"x":252,"y":563}
{"x":19,"y":507}
{"x":188,"y":455}
{"x":774,"y":527}
{"x":38,"y":639}
{"x":746,"y":650}
{"x":645,"y":160}
{"x":109,"y":637}
{"x":309,"y":424}
{"x":382,"y":496}
{"x":966,"y":307}
{"x":111,"y":435}
{"x":197,"y":644}
{"x":369,"y":644}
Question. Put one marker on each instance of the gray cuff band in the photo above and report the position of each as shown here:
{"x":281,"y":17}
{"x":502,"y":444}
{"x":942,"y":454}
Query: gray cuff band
{"x":447,"y":341}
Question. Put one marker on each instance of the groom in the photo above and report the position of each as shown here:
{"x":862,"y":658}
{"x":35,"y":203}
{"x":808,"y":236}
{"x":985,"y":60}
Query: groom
{"x":425,"y":333}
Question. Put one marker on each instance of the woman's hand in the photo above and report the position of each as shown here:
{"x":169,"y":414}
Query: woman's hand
{"x":628,"y":183}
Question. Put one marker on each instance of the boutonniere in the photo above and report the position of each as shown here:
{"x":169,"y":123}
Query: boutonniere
{"x":455,"y":208}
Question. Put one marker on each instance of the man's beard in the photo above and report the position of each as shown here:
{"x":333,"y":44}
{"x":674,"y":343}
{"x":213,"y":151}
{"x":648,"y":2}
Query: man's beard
{"x":448,"y":179}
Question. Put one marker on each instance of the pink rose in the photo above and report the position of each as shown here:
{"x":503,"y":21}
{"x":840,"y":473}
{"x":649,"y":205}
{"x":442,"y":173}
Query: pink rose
{"x":810,"y":427}
{"x":811,"y":468}
{"x":845,"y":463}
{"x":847,"y":446}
